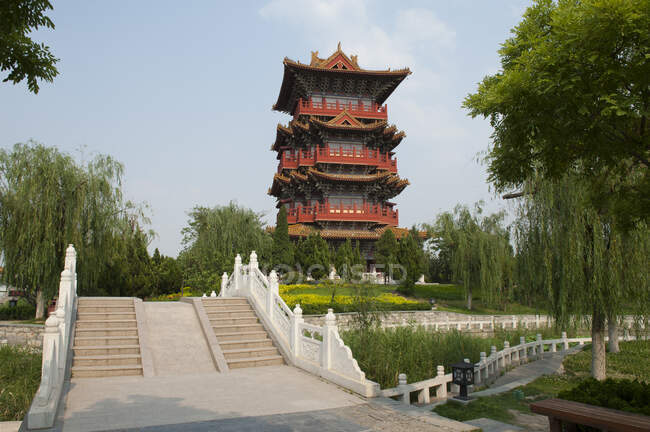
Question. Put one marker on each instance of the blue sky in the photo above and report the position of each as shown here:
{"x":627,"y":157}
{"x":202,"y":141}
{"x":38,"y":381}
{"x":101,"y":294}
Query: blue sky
{"x":181,"y":93}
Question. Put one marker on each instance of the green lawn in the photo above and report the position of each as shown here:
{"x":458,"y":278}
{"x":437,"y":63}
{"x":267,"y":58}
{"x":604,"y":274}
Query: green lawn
{"x":20,"y":376}
{"x":631,"y":363}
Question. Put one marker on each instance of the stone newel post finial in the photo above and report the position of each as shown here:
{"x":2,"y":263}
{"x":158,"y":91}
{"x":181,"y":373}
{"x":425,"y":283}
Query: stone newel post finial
{"x":237,"y":260}
{"x":213,"y":294}
{"x":253,"y":260}
{"x":330,"y":318}
{"x":273,"y":277}
{"x":297,"y":311}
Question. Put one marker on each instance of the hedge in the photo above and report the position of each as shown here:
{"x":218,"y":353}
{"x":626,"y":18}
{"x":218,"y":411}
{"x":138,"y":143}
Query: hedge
{"x":623,"y":395}
{"x":18,"y":312}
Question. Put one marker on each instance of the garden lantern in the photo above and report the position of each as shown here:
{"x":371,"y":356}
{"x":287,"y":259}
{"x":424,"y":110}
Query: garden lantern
{"x":463,"y":375}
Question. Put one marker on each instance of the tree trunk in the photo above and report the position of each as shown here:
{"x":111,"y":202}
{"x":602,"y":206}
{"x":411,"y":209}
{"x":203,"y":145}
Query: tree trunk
{"x":612,"y":330}
{"x":469,"y":299}
{"x":40,"y":304}
{"x":598,"y":358}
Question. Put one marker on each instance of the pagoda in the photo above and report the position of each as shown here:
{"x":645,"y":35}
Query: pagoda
{"x":337,"y":170}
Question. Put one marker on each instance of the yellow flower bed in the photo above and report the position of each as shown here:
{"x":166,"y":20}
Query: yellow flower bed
{"x":319,"y":303}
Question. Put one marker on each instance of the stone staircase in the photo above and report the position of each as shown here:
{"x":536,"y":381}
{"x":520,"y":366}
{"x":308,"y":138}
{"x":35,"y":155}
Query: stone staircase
{"x":106,"y":341}
{"x":242,"y":338}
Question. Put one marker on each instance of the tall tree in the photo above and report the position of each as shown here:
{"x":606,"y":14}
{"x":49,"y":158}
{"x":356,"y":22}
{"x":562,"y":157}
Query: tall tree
{"x":574,"y":94}
{"x":314,"y":256}
{"x":480,"y":251}
{"x":386,"y":250}
{"x":282,"y":253}
{"x":47,"y":201}
{"x":410,"y":256}
{"x":212,"y":239}
{"x":22,"y":57}
{"x":579,"y":262}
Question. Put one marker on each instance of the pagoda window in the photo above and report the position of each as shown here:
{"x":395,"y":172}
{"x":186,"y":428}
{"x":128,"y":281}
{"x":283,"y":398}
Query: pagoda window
{"x":319,"y":98}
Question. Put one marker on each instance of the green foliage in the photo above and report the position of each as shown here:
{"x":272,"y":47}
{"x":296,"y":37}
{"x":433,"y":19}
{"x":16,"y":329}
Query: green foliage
{"x":623,"y":395}
{"x":386,"y":251}
{"x":348,"y":261}
{"x":576,"y":259}
{"x":19,"y":312}
{"x":212,"y":239}
{"x":282,"y":253}
{"x":22,"y":57}
{"x":479,"y":251}
{"x":630,"y":363}
{"x":20,"y":376}
{"x":47,"y":201}
{"x":385,"y":353}
{"x":410,"y":256}
{"x":573,"y":94}
{"x":313,"y":254}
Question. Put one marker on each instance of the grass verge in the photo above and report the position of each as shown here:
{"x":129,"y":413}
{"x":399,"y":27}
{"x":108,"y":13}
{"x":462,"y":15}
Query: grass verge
{"x":20,"y":375}
{"x":630,"y":363}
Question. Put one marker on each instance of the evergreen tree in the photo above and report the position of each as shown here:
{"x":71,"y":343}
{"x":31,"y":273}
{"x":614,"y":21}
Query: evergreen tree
{"x":410,"y":257}
{"x":282,"y":253}
{"x":343,"y":259}
{"x":314,"y":255}
{"x":386,"y":250}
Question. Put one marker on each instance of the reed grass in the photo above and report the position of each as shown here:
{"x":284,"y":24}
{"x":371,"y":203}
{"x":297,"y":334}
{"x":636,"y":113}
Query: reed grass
{"x":20,"y":376}
{"x":416,"y":351}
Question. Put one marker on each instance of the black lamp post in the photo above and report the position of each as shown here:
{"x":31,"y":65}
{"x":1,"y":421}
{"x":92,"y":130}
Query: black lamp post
{"x":462,"y":375}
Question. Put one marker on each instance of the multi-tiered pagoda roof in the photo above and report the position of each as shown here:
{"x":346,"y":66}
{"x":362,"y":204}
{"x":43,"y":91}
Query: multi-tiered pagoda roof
{"x":337,"y":167}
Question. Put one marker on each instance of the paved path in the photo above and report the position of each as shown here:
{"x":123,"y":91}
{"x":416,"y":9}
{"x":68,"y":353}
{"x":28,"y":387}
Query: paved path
{"x":272,"y":398}
{"x":175,"y":339}
{"x":521,"y":375}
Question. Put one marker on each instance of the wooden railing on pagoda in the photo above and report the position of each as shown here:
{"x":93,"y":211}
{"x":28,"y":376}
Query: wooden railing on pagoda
{"x":365,"y":212}
{"x":292,"y":159}
{"x":357,"y":109}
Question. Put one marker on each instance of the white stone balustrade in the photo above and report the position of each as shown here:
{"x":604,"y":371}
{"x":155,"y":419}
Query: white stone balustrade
{"x":317,"y":349}
{"x":56,"y":348}
{"x":422,"y":388}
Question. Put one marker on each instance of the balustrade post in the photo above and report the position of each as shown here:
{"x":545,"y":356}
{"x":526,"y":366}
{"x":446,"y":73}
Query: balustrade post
{"x":495,"y":361}
{"x":514,"y":322}
{"x":238,"y":276}
{"x":406,"y":396}
{"x":328,"y":338}
{"x":565,"y":342}
{"x":441,"y":390}
{"x":540,"y":344}
{"x":523,"y":358}
{"x":224,"y":284}
{"x":536,"y":321}
{"x":296,"y":321}
{"x":252,"y":263}
{"x":271,"y":293}
{"x":507,"y":356}
{"x":483,"y":367}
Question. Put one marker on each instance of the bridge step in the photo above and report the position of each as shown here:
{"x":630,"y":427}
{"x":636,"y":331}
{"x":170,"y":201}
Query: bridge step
{"x":106,"y":340}
{"x":236,"y":328}
{"x":107,"y":323}
{"x":243,"y":353}
{"x":255,"y":362}
{"x":222,"y":322}
{"x":108,"y":360}
{"x":242,"y":338}
{"x":252,"y":343}
{"x":105,"y":371}
{"x":106,"y":350}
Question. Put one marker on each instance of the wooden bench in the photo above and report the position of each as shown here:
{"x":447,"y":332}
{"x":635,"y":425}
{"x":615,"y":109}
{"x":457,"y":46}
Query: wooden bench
{"x":568,"y":413}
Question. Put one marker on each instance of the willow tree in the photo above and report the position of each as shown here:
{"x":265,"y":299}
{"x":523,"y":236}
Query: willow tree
{"x":479,"y":250}
{"x":48,"y":200}
{"x":578,"y":261}
{"x":212,"y":239}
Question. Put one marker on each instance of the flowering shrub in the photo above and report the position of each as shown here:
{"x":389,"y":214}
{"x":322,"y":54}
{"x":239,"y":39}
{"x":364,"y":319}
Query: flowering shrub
{"x":186,"y":292}
{"x":319,"y":303}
